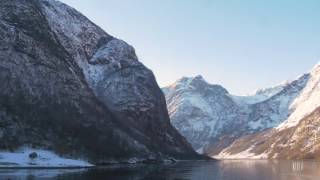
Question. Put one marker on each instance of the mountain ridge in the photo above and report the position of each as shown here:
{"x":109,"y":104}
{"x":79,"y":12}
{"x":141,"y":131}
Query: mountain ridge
{"x":294,"y":137}
{"x":267,"y":108}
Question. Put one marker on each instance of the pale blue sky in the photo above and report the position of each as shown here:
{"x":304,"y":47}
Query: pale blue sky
{"x":240,"y":44}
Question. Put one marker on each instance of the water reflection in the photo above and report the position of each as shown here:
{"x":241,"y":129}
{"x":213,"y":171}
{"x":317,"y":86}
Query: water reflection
{"x":270,"y":170}
{"x":222,"y":170}
{"x":30,"y":174}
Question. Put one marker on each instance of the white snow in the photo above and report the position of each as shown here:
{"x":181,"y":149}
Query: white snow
{"x":247,"y":154}
{"x":302,"y":105}
{"x":200,"y":112}
{"x":260,"y":95}
{"x":186,"y":99}
{"x":20,"y":158}
{"x":80,"y":37}
{"x":200,"y":151}
{"x":306,"y":102}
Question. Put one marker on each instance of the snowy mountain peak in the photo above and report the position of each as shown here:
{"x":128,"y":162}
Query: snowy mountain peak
{"x":316,"y":69}
{"x":199,"y":78}
{"x":189,"y":80}
{"x":211,"y":118}
{"x":198,"y":109}
{"x":196,"y":83}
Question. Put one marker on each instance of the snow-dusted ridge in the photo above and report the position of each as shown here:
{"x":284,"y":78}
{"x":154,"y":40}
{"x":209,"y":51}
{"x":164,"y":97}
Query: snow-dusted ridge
{"x":295,"y":137}
{"x":260,"y":95}
{"x":45,"y":159}
{"x":211,"y":118}
{"x":306,"y":102}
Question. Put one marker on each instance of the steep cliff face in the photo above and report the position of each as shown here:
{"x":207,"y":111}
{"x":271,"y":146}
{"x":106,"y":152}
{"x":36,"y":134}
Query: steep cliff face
{"x":211,"y":118}
{"x":116,"y":77}
{"x":69,"y":86}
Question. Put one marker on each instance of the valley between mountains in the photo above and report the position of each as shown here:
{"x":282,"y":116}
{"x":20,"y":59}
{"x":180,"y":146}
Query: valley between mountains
{"x":72,"y":95}
{"x":278,"y":122}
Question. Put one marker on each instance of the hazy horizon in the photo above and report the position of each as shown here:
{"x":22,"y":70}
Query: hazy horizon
{"x":241,"y":45}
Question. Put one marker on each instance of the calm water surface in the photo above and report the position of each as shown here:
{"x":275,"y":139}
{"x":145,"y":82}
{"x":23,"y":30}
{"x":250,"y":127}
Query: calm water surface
{"x":222,"y":170}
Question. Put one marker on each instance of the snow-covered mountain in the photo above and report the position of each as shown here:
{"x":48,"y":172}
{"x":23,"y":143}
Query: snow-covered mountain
{"x":296,"y":137}
{"x":307,"y":101}
{"x":211,"y":118}
{"x":200,"y":111}
{"x":69,"y":87}
{"x":295,"y":142}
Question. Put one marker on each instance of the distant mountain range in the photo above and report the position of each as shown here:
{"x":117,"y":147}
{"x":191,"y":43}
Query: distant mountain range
{"x":265,"y":124}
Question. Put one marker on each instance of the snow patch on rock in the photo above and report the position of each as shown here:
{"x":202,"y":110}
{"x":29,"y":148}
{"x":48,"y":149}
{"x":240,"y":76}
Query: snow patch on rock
{"x":247,"y":154}
{"x":45,"y":158}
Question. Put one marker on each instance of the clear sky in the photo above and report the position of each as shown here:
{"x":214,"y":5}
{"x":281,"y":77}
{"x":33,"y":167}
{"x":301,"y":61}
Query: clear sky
{"x":240,"y":44}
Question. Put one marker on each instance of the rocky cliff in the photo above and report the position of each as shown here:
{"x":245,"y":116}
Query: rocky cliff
{"x":68,"y":86}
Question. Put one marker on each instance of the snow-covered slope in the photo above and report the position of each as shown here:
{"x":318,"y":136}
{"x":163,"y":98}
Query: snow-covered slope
{"x":199,"y":110}
{"x":276,"y":108}
{"x":211,"y":118}
{"x":307,"y":101}
{"x":44,"y":158}
{"x":295,"y":137}
{"x":297,"y":142}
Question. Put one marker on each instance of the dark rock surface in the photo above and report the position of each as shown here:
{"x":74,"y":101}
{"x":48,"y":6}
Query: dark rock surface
{"x":68,"y":86}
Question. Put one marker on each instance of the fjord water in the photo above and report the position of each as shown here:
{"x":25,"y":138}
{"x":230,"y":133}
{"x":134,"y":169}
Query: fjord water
{"x":220,"y":170}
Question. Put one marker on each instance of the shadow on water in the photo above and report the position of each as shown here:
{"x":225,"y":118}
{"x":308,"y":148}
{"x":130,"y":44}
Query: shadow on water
{"x":221,"y":170}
